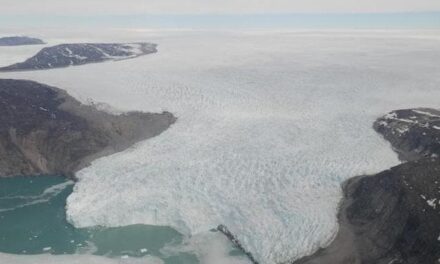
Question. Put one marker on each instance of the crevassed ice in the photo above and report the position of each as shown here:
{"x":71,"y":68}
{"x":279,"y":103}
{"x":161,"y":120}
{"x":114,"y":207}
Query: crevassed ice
{"x":269,"y":125}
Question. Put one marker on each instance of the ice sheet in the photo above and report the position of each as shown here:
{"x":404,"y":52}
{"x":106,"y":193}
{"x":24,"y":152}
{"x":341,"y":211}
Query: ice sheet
{"x":269,"y":125}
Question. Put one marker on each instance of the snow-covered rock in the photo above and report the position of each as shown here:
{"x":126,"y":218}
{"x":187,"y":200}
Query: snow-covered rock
{"x":64,"y":55}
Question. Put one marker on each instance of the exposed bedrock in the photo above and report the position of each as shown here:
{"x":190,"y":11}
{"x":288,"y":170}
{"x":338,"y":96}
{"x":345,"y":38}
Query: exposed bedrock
{"x":43,"y":130}
{"x":413,"y":133}
{"x":394,"y":216}
{"x":19,"y":41}
{"x":65,"y":55}
{"x":225,"y":231}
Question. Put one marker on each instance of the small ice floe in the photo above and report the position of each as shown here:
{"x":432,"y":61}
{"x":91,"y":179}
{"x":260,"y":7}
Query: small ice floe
{"x":47,"y":248}
{"x":43,"y":109}
{"x":124,"y":257}
{"x":143,"y":250}
{"x":436,"y":127}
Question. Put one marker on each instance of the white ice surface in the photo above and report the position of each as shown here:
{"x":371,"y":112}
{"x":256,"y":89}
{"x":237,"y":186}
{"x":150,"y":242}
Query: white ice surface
{"x":269,"y":125}
{"x":13,"y":54}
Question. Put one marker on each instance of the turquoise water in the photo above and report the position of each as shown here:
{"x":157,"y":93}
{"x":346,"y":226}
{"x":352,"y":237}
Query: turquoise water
{"x":33,"y":221}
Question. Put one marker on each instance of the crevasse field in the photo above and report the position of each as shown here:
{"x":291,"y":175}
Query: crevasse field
{"x":269,"y":125}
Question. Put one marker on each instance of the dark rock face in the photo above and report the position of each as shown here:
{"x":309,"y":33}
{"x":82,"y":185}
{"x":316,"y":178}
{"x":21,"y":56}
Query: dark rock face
{"x":78,"y":54}
{"x":45,"y":131}
{"x":225,"y":231}
{"x":393,"y":217}
{"x":395,"y":213}
{"x":19,"y":41}
{"x":413,"y":133}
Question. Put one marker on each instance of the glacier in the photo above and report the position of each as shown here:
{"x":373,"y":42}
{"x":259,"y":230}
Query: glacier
{"x":269,"y":125}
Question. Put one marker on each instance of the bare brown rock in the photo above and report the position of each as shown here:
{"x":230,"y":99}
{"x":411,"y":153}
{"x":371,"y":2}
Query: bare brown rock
{"x":43,"y":130}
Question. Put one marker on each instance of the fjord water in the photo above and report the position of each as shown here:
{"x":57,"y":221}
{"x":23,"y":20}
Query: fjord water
{"x":269,"y":125}
{"x":33,"y":221}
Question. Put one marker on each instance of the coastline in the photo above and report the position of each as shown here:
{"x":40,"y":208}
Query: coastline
{"x":392,"y":217}
{"x":75,"y":86}
{"x":145,"y":48}
{"x":46,"y":131}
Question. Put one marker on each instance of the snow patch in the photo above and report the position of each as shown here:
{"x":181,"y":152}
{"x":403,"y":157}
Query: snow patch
{"x":432,"y":202}
{"x":425,"y":113}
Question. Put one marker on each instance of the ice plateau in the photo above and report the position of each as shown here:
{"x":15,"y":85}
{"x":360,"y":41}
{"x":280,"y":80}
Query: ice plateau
{"x":269,"y":125}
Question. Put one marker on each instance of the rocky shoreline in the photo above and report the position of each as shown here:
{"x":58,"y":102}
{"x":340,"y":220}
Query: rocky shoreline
{"x":43,"y":130}
{"x":393,"y":217}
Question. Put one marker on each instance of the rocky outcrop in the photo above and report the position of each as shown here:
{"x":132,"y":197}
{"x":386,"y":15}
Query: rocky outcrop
{"x":43,"y":130}
{"x":65,"y":55}
{"x":19,"y":41}
{"x":393,"y":217}
{"x":413,"y":133}
{"x":234,"y":240}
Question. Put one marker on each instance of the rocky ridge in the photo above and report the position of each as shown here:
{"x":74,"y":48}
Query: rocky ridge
{"x":65,"y":55}
{"x":43,"y":130}
{"x":19,"y":41}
